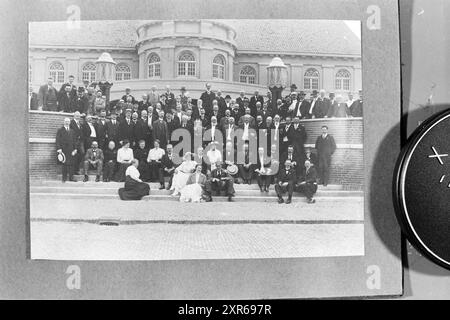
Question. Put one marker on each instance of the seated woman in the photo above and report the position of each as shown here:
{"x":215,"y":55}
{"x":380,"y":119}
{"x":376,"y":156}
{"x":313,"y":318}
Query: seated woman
{"x":193,"y":190}
{"x":182,"y":174}
{"x":124,"y":158}
{"x":134,"y":188}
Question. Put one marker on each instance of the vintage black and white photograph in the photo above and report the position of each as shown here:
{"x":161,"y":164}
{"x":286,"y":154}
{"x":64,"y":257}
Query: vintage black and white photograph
{"x":195,"y":139}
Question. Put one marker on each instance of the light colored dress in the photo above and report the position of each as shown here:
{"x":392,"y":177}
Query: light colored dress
{"x":180,"y":178}
{"x":192,"y":192}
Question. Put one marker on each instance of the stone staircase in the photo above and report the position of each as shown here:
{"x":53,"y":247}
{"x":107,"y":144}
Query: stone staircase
{"x":103,"y":190}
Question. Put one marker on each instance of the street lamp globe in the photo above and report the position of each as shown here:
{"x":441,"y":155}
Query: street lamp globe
{"x":105,"y":74}
{"x":276,"y":78}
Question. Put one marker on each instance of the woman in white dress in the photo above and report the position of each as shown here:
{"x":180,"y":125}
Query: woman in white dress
{"x":193,"y":190}
{"x":182,"y":174}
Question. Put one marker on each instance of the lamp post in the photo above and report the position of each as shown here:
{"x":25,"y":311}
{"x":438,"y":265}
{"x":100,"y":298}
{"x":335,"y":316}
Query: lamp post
{"x":276,"y":79}
{"x":105,"y":74}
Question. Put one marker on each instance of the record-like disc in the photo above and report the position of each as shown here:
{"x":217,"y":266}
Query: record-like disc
{"x":422,"y":189}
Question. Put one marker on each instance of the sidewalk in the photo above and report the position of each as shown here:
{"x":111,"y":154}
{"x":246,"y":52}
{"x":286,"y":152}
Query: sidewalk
{"x":91,"y":210}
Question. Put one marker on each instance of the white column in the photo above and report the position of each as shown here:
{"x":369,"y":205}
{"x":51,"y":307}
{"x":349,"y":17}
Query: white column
{"x":262,"y":74}
{"x":296,"y":75}
{"x":205,"y":63}
{"x":357,"y":79}
{"x":168,"y":62}
{"x":328,"y":77}
{"x":73,"y":68}
{"x":40,"y":71}
{"x":142,"y":74}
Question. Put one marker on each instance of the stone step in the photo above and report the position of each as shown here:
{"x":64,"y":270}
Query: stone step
{"x":106,"y":189}
{"x":238,"y":198}
{"x":153,"y":185}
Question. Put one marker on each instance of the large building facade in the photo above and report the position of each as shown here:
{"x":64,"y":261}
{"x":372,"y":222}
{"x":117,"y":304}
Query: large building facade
{"x":232,"y":55}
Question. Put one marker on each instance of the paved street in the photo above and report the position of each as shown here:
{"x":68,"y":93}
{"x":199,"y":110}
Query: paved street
{"x":160,"y":230}
{"x":84,"y":241}
{"x":44,"y":208}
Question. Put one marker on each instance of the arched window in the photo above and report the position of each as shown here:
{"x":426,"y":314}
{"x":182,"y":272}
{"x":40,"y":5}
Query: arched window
{"x":247,"y":75}
{"x":186,"y":64}
{"x":219,"y":67}
{"x":123,"y":72}
{"x":56,"y":71}
{"x":88,"y":72}
{"x":343,"y":78}
{"x":311,"y":79}
{"x":154,"y":66}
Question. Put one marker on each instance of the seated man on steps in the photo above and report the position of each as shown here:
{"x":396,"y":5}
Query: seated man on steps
{"x":285,"y":182}
{"x":93,"y":160}
{"x":220,"y":180}
{"x":309,"y":184}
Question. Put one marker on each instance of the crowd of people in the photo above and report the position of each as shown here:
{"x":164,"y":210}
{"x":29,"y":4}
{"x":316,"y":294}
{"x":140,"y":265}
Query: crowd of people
{"x":133,"y":140}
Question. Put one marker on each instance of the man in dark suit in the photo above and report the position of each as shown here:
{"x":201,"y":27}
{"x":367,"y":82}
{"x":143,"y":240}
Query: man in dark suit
{"x":77,"y":128}
{"x":169,"y":99}
{"x":208,"y":97}
{"x":302,"y":107}
{"x":221,"y":102}
{"x":109,"y":161}
{"x":220,"y":180}
{"x":311,"y":157}
{"x":141,"y":154}
{"x":253,"y":103}
{"x":298,"y":137}
{"x":101,"y":129}
{"x":161,"y":131}
{"x":308,"y":185}
{"x":93,"y":159}
{"x":66,"y":101}
{"x":66,"y":143}
{"x":285,"y":182}
{"x":356,"y":109}
{"x":33,"y":101}
{"x":80,"y":102}
{"x":236,"y":113}
{"x":325,"y":146}
{"x":186,"y":124}
{"x":128,"y":94}
{"x":126,"y":129}
{"x":323,"y":105}
{"x":264,"y":112}
{"x":332,"y":105}
{"x":172,"y":125}
{"x":89,"y":132}
{"x":277,"y":110}
{"x":293,"y":89}
{"x":168,"y":165}
{"x":48,"y":97}
{"x":240,"y":100}
{"x":294,"y":158}
{"x":204,"y":118}
{"x":112,"y":129}
{"x":286,"y":135}
{"x":71,"y":85}
{"x":142,"y":131}
{"x":317,"y":108}
{"x":144,"y":104}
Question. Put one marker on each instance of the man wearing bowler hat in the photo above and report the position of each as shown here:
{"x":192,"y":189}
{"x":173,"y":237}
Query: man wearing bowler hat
{"x":66,"y":149}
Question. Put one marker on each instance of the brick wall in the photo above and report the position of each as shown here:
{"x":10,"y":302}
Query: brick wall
{"x":347,"y":162}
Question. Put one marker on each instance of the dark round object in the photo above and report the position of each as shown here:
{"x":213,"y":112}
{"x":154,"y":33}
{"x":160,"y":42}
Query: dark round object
{"x":422,"y":189}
